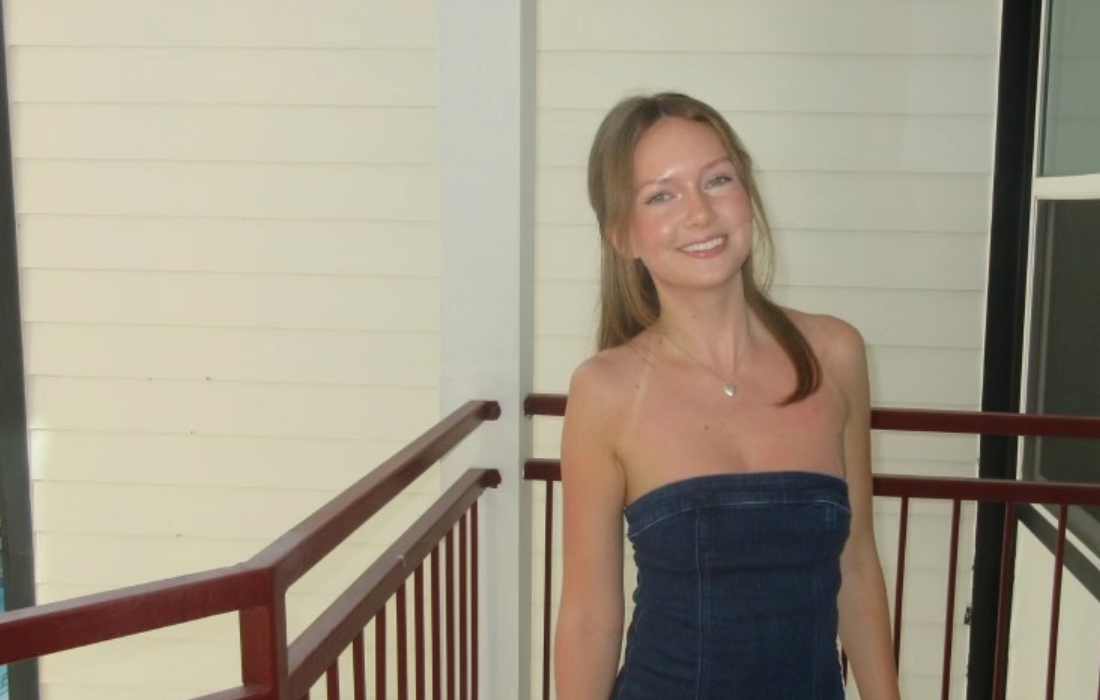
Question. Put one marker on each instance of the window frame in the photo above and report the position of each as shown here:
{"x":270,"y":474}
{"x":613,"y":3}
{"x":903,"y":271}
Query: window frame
{"x":1082,"y":557}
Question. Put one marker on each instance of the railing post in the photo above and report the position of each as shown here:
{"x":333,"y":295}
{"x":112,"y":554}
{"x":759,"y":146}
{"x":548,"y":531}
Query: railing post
{"x":263,"y":648}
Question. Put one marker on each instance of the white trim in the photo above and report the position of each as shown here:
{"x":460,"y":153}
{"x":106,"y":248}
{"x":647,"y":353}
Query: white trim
{"x":1029,"y":311}
{"x":1068,"y":187}
{"x":1033,"y":214}
{"x":487,"y":213}
{"x":1040,"y":104}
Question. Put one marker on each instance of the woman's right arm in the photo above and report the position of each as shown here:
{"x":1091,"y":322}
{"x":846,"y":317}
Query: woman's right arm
{"x":590,"y":616}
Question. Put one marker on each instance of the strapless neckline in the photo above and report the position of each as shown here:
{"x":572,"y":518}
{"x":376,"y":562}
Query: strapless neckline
{"x":747,"y":480}
{"x":737,"y":583}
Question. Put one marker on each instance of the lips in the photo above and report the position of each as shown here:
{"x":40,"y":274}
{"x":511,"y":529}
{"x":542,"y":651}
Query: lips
{"x":705,"y":246}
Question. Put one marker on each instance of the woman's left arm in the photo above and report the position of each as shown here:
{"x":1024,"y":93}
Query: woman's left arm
{"x":864,"y":613}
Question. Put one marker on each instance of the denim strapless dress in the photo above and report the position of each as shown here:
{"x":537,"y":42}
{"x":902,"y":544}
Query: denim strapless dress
{"x":736,"y":598}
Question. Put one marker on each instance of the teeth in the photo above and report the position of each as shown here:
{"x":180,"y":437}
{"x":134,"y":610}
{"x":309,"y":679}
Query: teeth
{"x":704,"y":246}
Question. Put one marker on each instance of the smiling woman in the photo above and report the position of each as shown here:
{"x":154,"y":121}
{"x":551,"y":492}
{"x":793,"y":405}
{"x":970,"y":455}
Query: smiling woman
{"x":748,"y":499}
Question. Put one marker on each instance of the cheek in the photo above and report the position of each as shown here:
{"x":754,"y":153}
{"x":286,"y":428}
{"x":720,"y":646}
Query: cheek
{"x":644,"y":237}
{"x":739,"y":207}
{"x":647,"y":225}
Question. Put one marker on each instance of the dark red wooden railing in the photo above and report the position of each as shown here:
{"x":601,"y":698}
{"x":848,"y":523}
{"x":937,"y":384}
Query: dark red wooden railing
{"x":272,"y":668}
{"x":1012,"y":494}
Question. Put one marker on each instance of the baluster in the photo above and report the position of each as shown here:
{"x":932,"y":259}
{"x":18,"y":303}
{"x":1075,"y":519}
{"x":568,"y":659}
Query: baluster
{"x":949,"y":615}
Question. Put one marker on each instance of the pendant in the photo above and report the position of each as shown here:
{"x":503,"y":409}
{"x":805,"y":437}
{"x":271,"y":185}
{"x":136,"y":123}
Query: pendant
{"x":730,"y":390}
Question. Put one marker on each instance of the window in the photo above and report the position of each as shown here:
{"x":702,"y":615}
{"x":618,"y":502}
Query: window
{"x":1062,"y":373}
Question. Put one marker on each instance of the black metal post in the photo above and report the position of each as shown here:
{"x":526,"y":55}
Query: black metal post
{"x":1004,"y":332}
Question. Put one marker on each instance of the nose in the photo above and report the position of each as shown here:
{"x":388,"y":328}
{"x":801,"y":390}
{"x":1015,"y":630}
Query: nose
{"x":698,"y":208}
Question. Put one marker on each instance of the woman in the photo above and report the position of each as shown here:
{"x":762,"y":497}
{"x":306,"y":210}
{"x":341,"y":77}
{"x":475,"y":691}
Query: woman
{"x":733,"y":433}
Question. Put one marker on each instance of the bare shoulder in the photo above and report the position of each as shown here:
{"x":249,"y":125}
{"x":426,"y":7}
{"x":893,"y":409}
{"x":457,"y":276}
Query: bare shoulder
{"x":600,"y":394}
{"x":839,"y":347}
{"x":602,"y":385}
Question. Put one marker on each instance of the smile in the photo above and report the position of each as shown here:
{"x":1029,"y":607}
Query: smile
{"x":705,"y":245}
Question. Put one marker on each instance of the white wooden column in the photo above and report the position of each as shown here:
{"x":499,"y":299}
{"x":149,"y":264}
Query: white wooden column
{"x":486,"y":160}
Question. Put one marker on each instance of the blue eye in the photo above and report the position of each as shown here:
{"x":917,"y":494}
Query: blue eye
{"x":658,"y":198}
{"x":719,"y":180}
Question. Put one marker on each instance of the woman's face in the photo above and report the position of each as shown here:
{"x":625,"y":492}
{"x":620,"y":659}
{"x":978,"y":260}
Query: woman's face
{"x":691,"y":218}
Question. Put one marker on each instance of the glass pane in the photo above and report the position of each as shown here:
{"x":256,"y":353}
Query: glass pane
{"x":1063,"y":372}
{"x":1071,"y":105}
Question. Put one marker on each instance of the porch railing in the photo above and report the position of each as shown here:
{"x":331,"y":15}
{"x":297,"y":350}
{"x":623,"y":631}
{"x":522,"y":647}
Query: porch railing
{"x":1013,"y":495}
{"x":272,"y":668}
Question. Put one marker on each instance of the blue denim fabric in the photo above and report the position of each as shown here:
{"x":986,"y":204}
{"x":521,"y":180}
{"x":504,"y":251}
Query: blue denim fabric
{"x":738,"y":577}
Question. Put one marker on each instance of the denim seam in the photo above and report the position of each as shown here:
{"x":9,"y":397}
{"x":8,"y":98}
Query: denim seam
{"x":815,"y":654}
{"x":629,"y":652}
{"x":701,"y":609}
{"x":695,"y":507}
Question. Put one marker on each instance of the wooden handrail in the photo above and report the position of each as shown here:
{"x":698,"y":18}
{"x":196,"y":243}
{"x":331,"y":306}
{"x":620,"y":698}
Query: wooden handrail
{"x":307,"y":543}
{"x":964,"y":488}
{"x":243,"y":693}
{"x":1014,"y":495}
{"x":337,"y":626}
{"x":100,"y":617}
{"x":919,"y":420}
{"x":985,"y":423}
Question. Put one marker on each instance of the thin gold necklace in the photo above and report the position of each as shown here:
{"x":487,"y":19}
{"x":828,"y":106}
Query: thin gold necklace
{"x":729,"y":387}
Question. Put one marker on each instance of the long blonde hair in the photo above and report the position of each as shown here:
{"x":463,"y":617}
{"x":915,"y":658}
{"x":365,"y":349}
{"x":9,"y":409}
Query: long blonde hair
{"x":628,"y":298}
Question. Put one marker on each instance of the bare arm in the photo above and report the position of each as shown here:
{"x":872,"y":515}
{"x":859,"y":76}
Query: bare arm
{"x":590,"y":617}
{"x":864,"y":614}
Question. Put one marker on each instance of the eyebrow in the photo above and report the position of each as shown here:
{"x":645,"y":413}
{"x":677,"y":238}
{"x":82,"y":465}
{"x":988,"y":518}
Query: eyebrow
{"x":705,"y":166}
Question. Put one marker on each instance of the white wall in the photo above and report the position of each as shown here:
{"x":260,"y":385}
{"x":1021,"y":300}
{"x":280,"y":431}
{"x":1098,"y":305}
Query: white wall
{"x":1078,"y":628}
{"x":228,"y":239}
{"x":872,"y":127}
{"x":230,"y":212}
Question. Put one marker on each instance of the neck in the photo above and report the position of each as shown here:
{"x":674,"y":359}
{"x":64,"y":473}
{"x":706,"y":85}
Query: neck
{"x":713,"y":330}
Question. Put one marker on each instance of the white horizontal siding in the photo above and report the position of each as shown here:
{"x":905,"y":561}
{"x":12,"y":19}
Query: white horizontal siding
{"x":229,"y":249}
{"x":373,"y":24}
{"x":191,"y":520}
{"x":212,"y":245}
{"x":934,"y":27}
{"x":828,"y":83}
{"x":871,"y":127}
{"x":230,"y":408}
{"x":218,"y":461}
{"x":231,"y":300}
{"x":217,"y":75}
{"x":1079,"y":620}
{"x":149,"y":668}
{"x":934,"y":262}
{"x":281,"y":191}
{"x":233,"y":354}
{"x":226,"y":133}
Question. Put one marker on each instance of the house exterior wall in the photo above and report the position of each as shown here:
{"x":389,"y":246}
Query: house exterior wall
{"x":1079,"y":620}
{"x":229,"y":239}
{"x":871,"y":125}
{"x":229,"y":252}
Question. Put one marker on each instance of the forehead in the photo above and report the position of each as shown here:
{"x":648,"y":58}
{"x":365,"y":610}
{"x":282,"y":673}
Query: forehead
{"x":674,"y":144}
